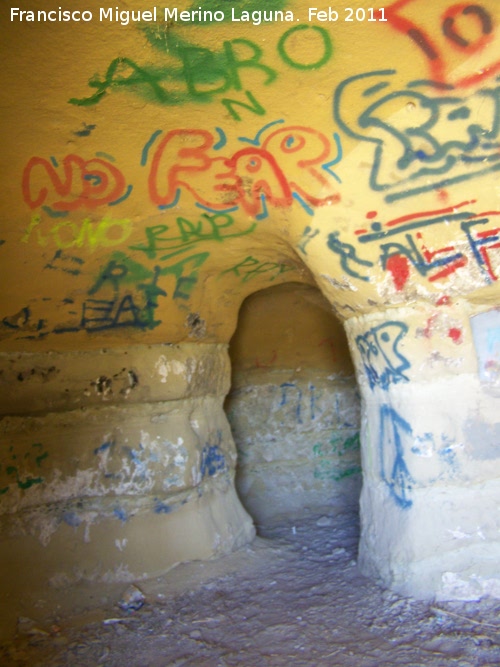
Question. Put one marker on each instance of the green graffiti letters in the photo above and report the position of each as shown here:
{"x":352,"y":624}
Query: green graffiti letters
{"x":64,"y":234}
{"x":195,"y":73}
{"x":327,"y":48}
{"x":207,"y":228}
{"x":251,"y":267}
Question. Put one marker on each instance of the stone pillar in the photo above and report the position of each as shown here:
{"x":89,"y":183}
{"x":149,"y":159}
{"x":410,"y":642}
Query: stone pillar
{"x":117,"y":464}
{"x":430,"y":439}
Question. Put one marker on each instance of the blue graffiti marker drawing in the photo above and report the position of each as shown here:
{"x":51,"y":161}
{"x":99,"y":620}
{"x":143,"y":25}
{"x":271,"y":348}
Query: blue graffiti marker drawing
{"x":382,"y":361}
{"x":393,"y":469}
{"x":212,"y":460}
{"x":472,"y":152}
{"x":285,"y":386}
{"x":347,"y":254}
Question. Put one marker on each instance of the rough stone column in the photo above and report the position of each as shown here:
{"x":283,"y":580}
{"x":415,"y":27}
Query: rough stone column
{"x":430,"y":454}
{"x":118,"y":464}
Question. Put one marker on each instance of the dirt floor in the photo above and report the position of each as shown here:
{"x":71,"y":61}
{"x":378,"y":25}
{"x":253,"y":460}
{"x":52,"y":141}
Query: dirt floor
{"x":294,"y":597}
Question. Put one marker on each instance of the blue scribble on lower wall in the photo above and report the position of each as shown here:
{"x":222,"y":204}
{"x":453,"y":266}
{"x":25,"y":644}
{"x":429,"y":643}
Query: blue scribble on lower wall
{"x":212,"y":460}
{"x":121,"y":514}
{"x":284,"y":398}
{"x":72,"y":519}
{"x":393,"y":468}
{"x":105,"y":445}
{"x":161,"y":507}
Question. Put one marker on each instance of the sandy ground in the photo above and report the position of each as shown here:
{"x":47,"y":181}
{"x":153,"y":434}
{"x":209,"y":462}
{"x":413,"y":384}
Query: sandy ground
{"x":295,"y":597}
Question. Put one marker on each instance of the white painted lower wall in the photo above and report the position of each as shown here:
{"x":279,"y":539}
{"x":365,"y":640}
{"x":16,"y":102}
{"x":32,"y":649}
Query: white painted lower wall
{"x":115,"y":466}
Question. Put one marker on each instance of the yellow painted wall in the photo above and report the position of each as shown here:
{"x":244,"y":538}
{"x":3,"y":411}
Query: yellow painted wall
{"x":157,"y":173}
{"x":271,"y":147}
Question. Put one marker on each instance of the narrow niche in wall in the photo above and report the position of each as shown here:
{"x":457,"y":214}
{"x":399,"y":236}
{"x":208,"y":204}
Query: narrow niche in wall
{"x":294,"y":405}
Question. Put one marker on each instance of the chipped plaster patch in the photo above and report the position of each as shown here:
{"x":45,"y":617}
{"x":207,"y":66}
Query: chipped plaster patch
{"x":442,"y":324}
{"x":164,"y":368}
{"x":435,"y":358}
{"x":161,"y":367}
{"x":472,"y":588}
{"x":196,"y":325}
{"x":45,"y":526}
{"x":343,"y":284}
{"x":119,"y":574}
{"x":483,"y":439}
{"x":121,"y":544}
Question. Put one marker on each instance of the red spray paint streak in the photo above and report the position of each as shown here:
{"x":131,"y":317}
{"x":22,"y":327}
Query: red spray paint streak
{"x":400,"y":270}
{"x":76,"y":183}
{"x":449,"y":26}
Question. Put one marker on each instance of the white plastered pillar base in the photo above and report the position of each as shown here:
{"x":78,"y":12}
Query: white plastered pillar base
{"x":430,"y":453}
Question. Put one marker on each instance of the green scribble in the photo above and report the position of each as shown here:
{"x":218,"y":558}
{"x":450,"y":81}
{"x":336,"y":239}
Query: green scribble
{"x":198,"y":74}
{"x":335,"y":469}
{"x":333,"y":473}
{"x":40,"y":458}
{"x":26,"y":480}
{"x":254,"y":107}
{"x":186,"y":274}
{"x":337,"y":446}
{"x":145,"y":81}
{"x":120,"y":270}
{"x":239,"y":6}
{"x":327,"y":48}
{"x":192,"y":73}
{"x":188,"y":235}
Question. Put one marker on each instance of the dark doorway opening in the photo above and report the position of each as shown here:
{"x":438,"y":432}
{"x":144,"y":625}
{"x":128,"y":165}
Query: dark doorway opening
{"x":294,"y":405}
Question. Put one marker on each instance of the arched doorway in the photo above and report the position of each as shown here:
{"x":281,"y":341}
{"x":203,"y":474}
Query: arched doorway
{"x":294,"y":406}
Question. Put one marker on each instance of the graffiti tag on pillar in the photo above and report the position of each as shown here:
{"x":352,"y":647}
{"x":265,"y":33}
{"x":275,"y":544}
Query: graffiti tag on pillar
{"x":213,"y":460}
{"x":393,"y":470}
{"x":383,"y":362}
{"x":286,"y":387}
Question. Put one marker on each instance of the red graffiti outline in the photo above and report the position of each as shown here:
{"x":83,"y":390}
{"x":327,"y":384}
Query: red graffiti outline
{"x":456,"y":40}
{"x":77,"y":181}
{"x":242,"y":179}
{"x":309,"y":165}
{"x":249,"y":197}
{"x":178,"y":174}
{"x":431,"y":49}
